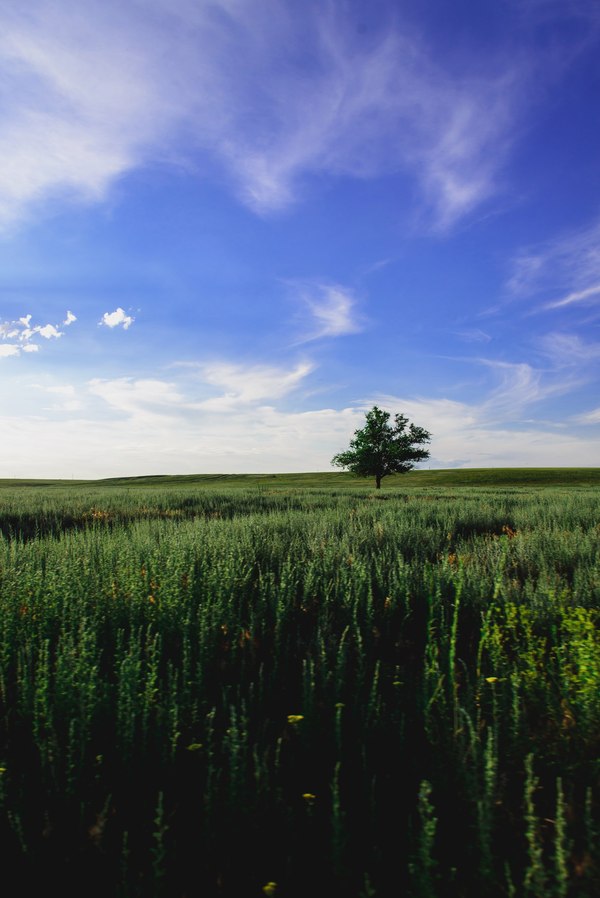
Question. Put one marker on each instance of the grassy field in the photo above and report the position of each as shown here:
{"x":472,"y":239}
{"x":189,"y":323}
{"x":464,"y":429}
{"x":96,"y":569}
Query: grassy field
{"x":296,"y":685}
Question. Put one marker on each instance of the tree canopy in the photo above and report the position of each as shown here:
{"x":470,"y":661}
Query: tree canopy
{"x":381,"y":448}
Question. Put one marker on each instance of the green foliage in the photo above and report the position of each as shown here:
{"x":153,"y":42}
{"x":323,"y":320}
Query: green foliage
{"x":337,"y":691}
{"x":379,"y":448}
{"x":534,"y":882}
{"x":423,"y":869}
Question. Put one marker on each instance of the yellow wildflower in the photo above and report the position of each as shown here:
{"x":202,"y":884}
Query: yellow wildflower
{"x":270,"y":888}
{"x":295,"y":718}
{"x":491,"y":679}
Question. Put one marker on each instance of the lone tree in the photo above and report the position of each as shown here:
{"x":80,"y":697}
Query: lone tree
{"x":381,"y":448}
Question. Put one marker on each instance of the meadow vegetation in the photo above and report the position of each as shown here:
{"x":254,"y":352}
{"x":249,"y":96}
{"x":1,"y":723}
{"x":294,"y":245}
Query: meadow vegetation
{"x":267,"y":688}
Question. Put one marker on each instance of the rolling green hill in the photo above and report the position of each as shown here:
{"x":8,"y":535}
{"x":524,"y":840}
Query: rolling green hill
{"x":446,"y":478}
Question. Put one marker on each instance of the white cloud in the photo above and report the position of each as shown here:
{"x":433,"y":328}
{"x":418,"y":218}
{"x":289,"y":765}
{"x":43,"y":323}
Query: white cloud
{"x":466,"y":435}
{"x":249,"y":384}
{"x":48,"y":331}
{"x":592,"y":417}
{"x":264,"y":435}
{"x":71,"y":405}
{"x":520,"y":385}
{"x":242,"y":386}
{"x":373,"y":108}
{"x":262,"y":438}
{"x":69,"y":118}
{"x":259,"y":439}
{"x":22,"y":331}
{"x":331,"y":308}
{"x":60,"y":389}
{"x":66,"y":393}
{"x":577,"y":296}
{"x":90,"y":97}
{"x":569,"y":349}
{"x":143,"y":397}
{"x":116,"y":318}
{"x":133,"y":426}
{"x":566,"y":269}
{"x":69,"y":319}
{"x":515,"y":386}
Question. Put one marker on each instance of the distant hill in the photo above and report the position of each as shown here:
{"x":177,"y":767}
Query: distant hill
{"x":446,"y":478}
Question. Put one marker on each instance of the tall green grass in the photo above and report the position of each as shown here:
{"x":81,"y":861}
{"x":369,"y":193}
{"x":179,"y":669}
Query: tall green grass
{"x":300,"y":692}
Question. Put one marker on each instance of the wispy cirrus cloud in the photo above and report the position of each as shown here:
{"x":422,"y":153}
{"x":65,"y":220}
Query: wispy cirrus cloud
{"x":332,"y":310}
{"x":565,"y":364}
{"x":238,"y":386}
{"x":520,"y":385}
{"x":592,"y":417}
{"x":350,"y":105}
{"x":561,"y":272}
{"x":590,"y":293}
{"x":565,"y":349}
{"x":248,"y":384}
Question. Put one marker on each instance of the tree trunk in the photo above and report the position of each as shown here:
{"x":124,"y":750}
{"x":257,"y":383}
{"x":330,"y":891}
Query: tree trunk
{"x":378,"y":481}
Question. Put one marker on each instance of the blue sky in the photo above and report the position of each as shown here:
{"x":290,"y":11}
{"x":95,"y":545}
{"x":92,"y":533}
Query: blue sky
{"x":228,"y":229}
